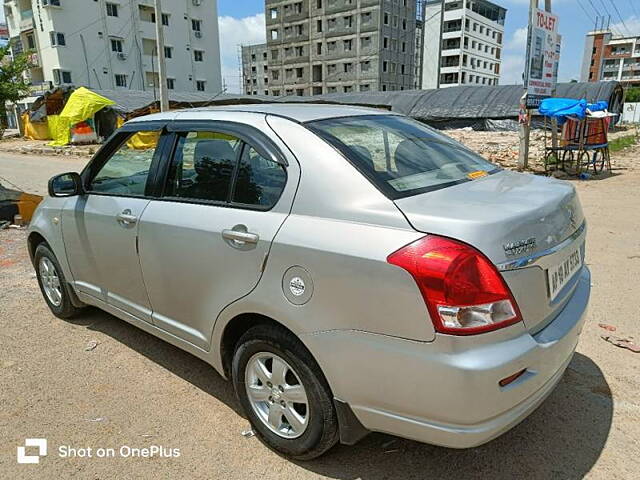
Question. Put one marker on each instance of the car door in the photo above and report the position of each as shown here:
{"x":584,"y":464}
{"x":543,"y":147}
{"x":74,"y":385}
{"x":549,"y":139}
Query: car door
{"x":100,"y":228}
{"x":205,"y":242}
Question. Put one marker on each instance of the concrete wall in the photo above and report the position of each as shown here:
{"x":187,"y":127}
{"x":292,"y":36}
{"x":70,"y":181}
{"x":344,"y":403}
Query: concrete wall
{"x":630,"y":113}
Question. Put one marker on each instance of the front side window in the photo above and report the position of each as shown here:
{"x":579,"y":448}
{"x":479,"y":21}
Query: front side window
{"x":221,"y":168}
{"x":401,"y":156}
{"x":126,"y":171}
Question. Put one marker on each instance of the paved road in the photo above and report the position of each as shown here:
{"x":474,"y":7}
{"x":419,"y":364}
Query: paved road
{"x":31,"y":173}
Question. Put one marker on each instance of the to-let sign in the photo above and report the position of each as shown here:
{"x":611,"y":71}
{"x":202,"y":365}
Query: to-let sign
{"x":543,"y":56}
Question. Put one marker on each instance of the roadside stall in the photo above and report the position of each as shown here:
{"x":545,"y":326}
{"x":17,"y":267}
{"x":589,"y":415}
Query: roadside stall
{"x":584,"y":143}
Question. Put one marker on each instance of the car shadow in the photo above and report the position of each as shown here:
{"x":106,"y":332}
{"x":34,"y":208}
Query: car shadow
{"x":563,"y":438}
{"x":177,"y":361}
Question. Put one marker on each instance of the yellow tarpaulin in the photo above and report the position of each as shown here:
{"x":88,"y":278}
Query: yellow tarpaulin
{"x":35,"y":130}
{"x":81,"y":105}
{"x":52,"y":122}
{"x":141,"y":140}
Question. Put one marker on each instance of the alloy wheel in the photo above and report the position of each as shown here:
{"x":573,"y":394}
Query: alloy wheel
{"x":277,"y":395}
{"x":50,"y":281}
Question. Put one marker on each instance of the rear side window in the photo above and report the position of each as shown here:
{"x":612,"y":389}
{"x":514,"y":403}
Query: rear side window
{"x":260,"y":181}
{"x":203,"y":166}
{"x":221,"y":168}
{"x":400,"y":156}
{"x":126,"y":171}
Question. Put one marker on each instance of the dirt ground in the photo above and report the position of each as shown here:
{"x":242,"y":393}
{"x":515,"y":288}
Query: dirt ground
{"x":134,"y":390}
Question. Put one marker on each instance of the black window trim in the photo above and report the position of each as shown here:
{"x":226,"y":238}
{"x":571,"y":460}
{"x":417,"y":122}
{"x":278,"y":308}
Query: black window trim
{"x":248,"y":135}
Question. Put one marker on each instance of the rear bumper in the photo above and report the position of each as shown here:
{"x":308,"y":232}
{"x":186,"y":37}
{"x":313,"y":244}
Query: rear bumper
{"x":446,"y":392}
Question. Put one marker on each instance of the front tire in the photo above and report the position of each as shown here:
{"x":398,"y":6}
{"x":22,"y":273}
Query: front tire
{"x":283,"y":393}
{"x":53,"y":285}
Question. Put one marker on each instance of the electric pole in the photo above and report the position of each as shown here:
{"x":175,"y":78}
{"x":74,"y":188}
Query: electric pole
{"x":162,"y":68}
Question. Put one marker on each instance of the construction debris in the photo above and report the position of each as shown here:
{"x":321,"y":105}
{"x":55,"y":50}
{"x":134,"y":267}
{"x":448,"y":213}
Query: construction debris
{"x":622,"y":343}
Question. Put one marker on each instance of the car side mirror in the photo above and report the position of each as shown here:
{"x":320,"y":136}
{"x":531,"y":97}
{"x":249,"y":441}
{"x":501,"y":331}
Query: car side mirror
{"x":66,"y":185}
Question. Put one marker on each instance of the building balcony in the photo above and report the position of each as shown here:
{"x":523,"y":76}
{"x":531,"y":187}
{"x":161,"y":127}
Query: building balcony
{"x":289,"y":81}
{"x":293,"y":59}
{"x":368,"y":27}
{"x":340,"y":30}
{"x":336,"y":6}
{"x":294,"y":37}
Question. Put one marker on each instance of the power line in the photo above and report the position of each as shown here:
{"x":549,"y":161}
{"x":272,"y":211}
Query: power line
{"x":588,"y":15}
{"x":633,"y":8}
{"x":594,"y":8}
{"x":620,"y":17}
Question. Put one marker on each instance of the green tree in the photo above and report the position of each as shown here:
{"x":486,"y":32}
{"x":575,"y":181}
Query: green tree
{"x":13,"y":85}
{"x":633,"y":95}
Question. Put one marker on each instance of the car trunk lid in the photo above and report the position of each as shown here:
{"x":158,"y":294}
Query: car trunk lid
{"x":525,"y":224}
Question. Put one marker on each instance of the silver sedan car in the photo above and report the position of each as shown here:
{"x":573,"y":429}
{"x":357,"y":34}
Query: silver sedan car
{"x":349,"y":270}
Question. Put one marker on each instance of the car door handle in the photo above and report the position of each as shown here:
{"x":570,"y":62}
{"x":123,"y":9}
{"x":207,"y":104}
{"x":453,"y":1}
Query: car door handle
{"x":126,"y":218}
{"x":240,"y":237}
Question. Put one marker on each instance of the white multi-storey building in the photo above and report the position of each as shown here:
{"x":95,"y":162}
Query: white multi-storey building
{"x":110,"y":44}
{"x":462,"y":43}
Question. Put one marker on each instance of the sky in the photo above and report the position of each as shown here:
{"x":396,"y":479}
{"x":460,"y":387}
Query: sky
{"x":241,"y":22}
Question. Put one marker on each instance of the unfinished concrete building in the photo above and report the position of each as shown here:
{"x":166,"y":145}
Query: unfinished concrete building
{"x":330,"y":46}
{"x":255,"y":78}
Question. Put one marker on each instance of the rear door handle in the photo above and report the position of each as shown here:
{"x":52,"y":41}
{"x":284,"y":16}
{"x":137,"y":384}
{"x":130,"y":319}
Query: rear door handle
{"x":239,"y":237}
{"x":126,"y":218}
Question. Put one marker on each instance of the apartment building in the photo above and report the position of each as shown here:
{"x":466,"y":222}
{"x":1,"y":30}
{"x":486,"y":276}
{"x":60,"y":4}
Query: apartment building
{"x":255,"y":69}
{"x":462,"y":43}
{"x":609,"y":57}
{"x":327,"y":46}
{"x":111,"y":44}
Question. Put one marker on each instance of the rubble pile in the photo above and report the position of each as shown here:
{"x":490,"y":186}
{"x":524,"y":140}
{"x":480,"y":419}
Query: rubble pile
{"x":502,"y":147}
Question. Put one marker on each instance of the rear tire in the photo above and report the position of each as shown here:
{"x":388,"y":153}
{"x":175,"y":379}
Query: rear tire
{"x":314,"y":430}
{"x":53,"y":285}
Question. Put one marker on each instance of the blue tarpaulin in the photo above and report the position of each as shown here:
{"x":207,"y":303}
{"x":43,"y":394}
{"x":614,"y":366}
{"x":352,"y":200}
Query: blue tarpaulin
{"x":564,"y":107}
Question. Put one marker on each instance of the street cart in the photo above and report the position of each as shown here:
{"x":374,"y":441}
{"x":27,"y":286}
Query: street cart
{"x":583,"y":144}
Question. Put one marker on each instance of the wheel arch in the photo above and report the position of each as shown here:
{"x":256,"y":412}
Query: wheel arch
{"x":350,"y":429}
{"x":33,"y":240}
{"x":237,"y":326}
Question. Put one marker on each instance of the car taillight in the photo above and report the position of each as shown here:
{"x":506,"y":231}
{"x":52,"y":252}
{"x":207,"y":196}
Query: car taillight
{"x":463,"y":290}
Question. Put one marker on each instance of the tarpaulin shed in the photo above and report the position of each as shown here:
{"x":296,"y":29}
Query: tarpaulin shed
{"x":466,"y":105}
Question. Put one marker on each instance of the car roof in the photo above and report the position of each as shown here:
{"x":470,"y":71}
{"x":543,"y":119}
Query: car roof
{"x":299,"y":112}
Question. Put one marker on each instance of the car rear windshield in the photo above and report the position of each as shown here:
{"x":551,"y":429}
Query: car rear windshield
{"x":401,"y":156}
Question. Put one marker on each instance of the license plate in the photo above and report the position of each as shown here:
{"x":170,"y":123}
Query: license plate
{"x":560,"y":275}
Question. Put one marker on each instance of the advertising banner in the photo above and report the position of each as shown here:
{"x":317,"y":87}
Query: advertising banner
{"x":543,"y":56}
